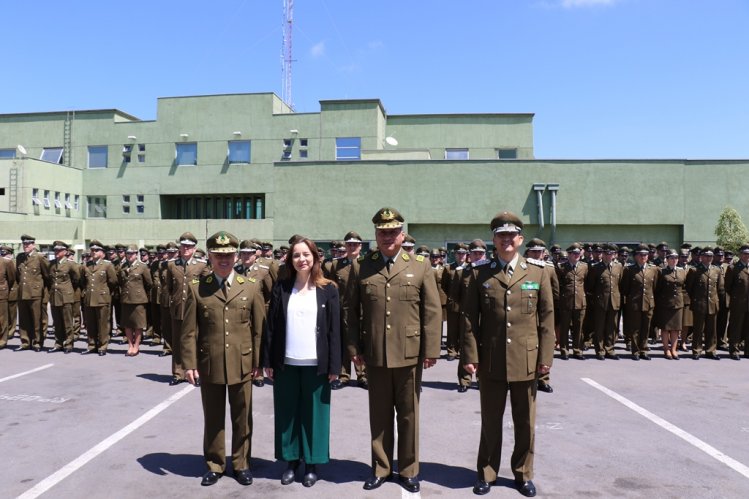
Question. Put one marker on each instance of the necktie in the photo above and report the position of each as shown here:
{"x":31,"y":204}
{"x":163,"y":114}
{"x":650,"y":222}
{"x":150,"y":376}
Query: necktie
{"x":225,"y":288}
{"x":389,"y":264}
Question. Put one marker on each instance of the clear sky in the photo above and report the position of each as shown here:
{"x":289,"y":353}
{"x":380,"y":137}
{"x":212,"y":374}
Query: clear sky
{"x":623,"y":79}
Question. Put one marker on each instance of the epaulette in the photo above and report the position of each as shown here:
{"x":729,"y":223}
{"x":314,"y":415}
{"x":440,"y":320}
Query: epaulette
{"x":240,"y":279}
{"x":419,"y":258}
{"x":375,"y":255}
{"x":360,"y":259}
{"x":195,"y":280}
{"x":538,"y":263}
{"x":208,"y":279}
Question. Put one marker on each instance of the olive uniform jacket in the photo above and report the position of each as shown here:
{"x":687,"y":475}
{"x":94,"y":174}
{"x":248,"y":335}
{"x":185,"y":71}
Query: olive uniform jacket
{"x":32,"y":272}
{"x":705,"y":287}
{"x":221,"y":335}
{"x":572,"y":285}
{"x":737,"y":286}
{"x":65,"y":279}
{"x":508,"y":321}
{"x":135,"y":283}
{"x":638,"y":287}
{"x":179,"y":273}
{"x":602,"y":285}
{"x":394,"y":318}
{"x":328,"y":341}
{"x":99,"y":280}
{"x":7,"y":278}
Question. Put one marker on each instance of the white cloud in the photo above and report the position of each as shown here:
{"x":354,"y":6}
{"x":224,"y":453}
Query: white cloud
{"x":318,"y":49}
{"x":571,"y":4}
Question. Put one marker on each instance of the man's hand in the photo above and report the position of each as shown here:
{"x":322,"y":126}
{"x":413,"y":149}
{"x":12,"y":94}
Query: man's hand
{"x":429,"y":363}
{"x":269,"y":373}
{"x":471,"y":368}
{"x":192,"y":376}
{"x":543,"y":369}
{"x":358,"y":360}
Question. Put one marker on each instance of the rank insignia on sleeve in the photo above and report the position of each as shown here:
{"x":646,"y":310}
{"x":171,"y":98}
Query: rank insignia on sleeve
{"x":240,"y":279}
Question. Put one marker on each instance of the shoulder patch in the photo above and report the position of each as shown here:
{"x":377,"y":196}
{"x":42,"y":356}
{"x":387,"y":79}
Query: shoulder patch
{"x":240,"y":279}
{"x":419,"y":258}
{"x":375,"y":255}
{"x":360,"y":259}
{"x":407,"y":258}
{"x":538,"y":263}
{"x":209,"y":279}
{"x":196,"y":281}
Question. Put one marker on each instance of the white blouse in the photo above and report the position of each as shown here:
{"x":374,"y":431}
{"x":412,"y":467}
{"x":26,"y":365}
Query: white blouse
{"x":301,"y":329}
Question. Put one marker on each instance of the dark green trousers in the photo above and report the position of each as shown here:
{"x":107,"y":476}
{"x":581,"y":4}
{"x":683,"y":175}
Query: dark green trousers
{"x":301,"y":405}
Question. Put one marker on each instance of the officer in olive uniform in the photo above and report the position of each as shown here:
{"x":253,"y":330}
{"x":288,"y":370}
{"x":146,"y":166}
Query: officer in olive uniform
{"x":638,"y":290}
{"x":737,"y":289}
{"x":33,"y":279}
{"x":166,"y":316}
{"x":99,"y":280}
{"x":572,"y":302}
{"x":222,"y":327}
{"x":451,"y":280}
{"x":602,"y":285}
{"x":65,"y":278}
{"x":409,"y":243}
{"x":155,"y":294}
{"x":394,"y":321}
{"x":340,"y":272}
{"x":435,"y":257}
{"x":705,"y":286}
{"x":179,"y":273}
{"x":508,"y":338}
{"x":7,"y":282}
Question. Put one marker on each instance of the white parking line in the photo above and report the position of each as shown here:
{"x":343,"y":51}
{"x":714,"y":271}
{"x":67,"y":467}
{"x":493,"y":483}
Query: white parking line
{"x":46,"y":366}
{"x":688,"y":437}
{"x":105,"y":444}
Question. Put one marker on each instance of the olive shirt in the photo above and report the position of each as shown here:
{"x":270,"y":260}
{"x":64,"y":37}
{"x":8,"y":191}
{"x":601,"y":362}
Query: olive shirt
{"x":221,"y":335}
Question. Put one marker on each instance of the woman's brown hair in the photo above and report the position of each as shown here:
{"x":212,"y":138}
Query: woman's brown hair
{"x":315,"y":276}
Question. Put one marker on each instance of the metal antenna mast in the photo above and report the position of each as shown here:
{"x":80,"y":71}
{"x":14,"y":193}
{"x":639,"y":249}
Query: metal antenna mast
{"x":286,"y":60}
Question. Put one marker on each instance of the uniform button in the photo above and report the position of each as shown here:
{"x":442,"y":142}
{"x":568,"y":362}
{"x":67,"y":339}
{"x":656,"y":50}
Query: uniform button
{"x":509,"y":340}
{"x":509,"y":324}
{"x":388,"y":298}
{"x":227,"y":321}
{"x":227,"y":345}
{"x":227,"y":333}
{"x":226,"y":308}
{"x":387,"y":285}
{"x":387,"y":327}
{"x":509,"y":308}
{"x":509,"y":292}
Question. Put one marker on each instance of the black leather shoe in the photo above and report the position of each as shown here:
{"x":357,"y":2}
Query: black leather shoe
{"x":578,"y":356}
{"x":22,"y":348}
{"x":290,"y":473}
{"x":37,"y":348}
{"x":176,"y":381}
{"x":526,"y":488}
{"x":695,"y":356}
{"x":337,"y":384}
{"x":450,"y":358}
{"x":600,"y":356}
{"x":210,"y":478}
{"x":88,"y":352}
{"x":462,"y":388}
{"x":102,"y":353}
{"x":244,"y":477}
{"x":258,"y":383}
{"x":362,"y":383}
{"x":410,"y":483}
{"x":54,"y":349}
{"x":645,"y":356}
{"x":711,"y":355}
{"x":68,"y":350}
{"x":735,"y":356}
{"x":636,"y":356}
{"x":310,"y":475}
{"x":374,"y":482}
{"x":612,"y":356}
{"x":545,"y":387}
{"x":165,"y":354}
{"x":481,"y":487}
{"x":564,"y":356}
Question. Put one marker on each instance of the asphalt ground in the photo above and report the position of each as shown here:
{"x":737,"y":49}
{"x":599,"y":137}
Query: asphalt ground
{"x":90,"y":426}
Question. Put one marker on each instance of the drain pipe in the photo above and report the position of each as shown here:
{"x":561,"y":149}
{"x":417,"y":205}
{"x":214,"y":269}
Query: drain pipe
{"x":540,"y":188}
{"x":553,"y":189}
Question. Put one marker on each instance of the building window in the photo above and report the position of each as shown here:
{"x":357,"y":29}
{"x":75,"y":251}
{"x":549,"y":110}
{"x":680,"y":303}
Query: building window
{"x":286,"y":155}
{"x":303,"y":153}
{"x":7,"y":154}
{"x":239,"y":151}
{"x":97,"y":207}
{"x":228,"y":206}
{"x":97,"y":156}
{"x":507,"y":153}
{"x":347,"y":148}
{"x":58,"y":204}
{"x":140,"y":204}
{"x":45,"y":201}
{"x":77,"y":203}
{"x":458,"y":154}
{"x":2,"y":191}
{"x":303,"y":142}
{"x":126,"y":209}
{"x":186,"y":154}
{"x":141,"y":153}
{"x":68,"y":206}
{"x":287,"y":143}
{"x":35,"y":197}
{"x":52,"y":155}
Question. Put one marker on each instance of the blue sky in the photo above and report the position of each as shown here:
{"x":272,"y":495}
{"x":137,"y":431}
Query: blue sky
{"x":622,"y":79}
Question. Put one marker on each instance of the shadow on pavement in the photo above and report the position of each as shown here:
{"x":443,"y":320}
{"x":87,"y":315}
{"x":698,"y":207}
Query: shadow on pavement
{"x":159,"y":378}
{"x":162,"y":463}
{"x":452,"y":477}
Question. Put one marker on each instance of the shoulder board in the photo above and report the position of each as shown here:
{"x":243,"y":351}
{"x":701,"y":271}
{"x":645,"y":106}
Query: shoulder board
{"x":240,"y":279}
{"x":406,"y":257}
{"x":375,"y":255}
{"x":251,"y":279}
{"x":419,"y":258}
{"x":195,"y":281}
{"x":538,"y":263}
{"x":360,"y":259}
{"x":209,"y":279}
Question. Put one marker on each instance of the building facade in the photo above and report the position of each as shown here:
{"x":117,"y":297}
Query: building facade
{"x":248,"y":164}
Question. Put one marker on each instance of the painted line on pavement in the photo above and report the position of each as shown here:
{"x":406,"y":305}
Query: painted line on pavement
{"x":73,"y":466}
{"x":46,"y":366}
{"x":688,"y":437}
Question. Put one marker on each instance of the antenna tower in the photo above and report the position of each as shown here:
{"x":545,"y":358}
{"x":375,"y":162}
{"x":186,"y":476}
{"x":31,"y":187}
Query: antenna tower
{"x":286,"y":60}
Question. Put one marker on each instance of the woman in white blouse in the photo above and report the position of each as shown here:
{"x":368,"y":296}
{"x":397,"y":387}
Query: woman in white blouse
{"x":303,"y":330}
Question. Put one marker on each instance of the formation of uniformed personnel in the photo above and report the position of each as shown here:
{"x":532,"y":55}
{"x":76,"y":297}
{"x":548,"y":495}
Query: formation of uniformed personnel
{"x":394,"y":325}
{"x":340,"y":272}
{"x":99,"y":279}
{"x":32,"y":270}
{"x":222,"y":327}
{"x":705,"y":285}
{"x":508,"y":339}
{"x":572,"y":302}
{"x":64,"y":280}
{"x":179,"y":273}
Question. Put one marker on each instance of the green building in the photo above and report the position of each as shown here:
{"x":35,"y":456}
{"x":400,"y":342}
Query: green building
{"x":248,"y":164}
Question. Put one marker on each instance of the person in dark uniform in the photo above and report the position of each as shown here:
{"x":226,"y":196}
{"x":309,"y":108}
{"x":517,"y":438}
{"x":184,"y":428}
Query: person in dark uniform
{"x":602,"y":285}
{"x":340,"y":273}
{"x":7,"y":283}
{"x":669,"y":302}
{"x":32,"y":272}
{"x":572,"y":302}
{"x":637,"y":289}
{"x":65,"y":278}
{"x":508,"y":339}
{"x":394,"y":321}
{"x":179,"y":273}
{"x":222,"y":327}
{"x":705,"y":285}
{"x":737,"y":289}
{"x":99,"y":280}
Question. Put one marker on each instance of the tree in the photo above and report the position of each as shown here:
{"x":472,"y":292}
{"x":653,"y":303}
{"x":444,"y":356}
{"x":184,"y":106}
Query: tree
{"x":731,"y":232}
